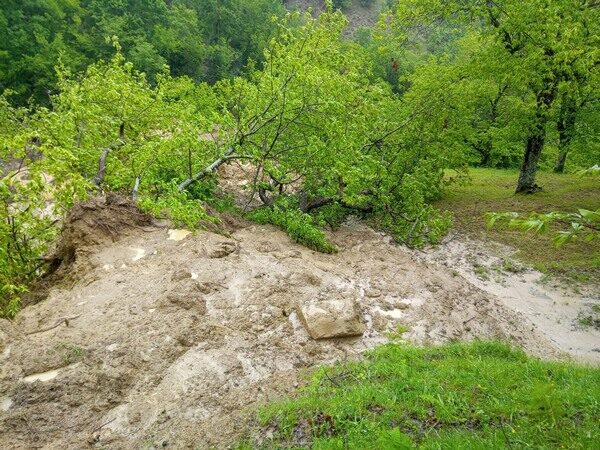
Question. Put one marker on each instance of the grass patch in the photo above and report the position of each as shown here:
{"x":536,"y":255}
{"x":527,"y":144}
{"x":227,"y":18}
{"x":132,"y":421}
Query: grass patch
{"x":481,"y":395}
{"x":492,"y":190}
{"x":299,"y":226}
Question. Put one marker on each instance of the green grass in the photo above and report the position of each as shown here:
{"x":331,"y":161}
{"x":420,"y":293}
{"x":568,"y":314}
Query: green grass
{"x":299,"y":226}
{"x":492,"y":190}
{"x":482,"y":395}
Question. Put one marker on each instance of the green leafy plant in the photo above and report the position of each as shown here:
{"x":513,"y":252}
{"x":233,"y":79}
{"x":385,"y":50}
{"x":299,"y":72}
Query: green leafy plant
{"x":300,"y":227}
{"x":583,"y":224}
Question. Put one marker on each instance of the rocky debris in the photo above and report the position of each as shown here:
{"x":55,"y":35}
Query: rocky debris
{"x":180,"y":348}
{"x":332,"y":317}
{"x":373,"y":293}
{"x":222,"y":250}
{"x":178,"y":235}
{"x":181,"y":275}
{"x":188,"y":296}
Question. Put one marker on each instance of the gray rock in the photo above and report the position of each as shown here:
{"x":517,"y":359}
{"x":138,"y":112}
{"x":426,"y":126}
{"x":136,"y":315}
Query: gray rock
{"x":222,"y":250}
{"x":331,"y":317}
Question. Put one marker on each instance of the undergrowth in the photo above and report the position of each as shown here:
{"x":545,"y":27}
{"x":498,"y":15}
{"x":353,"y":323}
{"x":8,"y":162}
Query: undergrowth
{"x":301,"y":227}
{"x":481,"y":395}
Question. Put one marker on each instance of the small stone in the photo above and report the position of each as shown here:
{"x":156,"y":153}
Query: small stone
{"x":373,"y":293}
{"x":403,"y":305}
{"x":181,"y":275}
{"x":188,"y":299}
{"x":209,"y":287}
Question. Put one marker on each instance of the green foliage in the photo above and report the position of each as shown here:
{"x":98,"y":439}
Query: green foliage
{"x":51,"y":158}
{"x":518,"y":81}
{"x":27,"y":215}
{"x":318,"y":126}
{"x":477,"y":395}
{"x":203,"y":39}
{"x":299,"y":226}
{"x":342,"y":4}
{"x":584,"y":224}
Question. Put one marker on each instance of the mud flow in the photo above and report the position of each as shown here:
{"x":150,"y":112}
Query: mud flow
{"x":151,"y":337}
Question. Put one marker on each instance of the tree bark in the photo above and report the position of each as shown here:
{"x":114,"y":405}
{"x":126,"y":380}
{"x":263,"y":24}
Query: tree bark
{"x":208,"y":170}
{"x":566,"y":128}
{"x":533,"y":151}
{"x":99,"y":178}
{"x":136,"y":189}
{"x":535,"y":143}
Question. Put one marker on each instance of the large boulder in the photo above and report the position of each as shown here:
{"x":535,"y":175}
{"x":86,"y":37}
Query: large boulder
{"x":327,"y":317}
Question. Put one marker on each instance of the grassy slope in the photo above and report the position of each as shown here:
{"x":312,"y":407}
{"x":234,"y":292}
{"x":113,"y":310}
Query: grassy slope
{"x":459,"y":396}
{"x":493,"y":190}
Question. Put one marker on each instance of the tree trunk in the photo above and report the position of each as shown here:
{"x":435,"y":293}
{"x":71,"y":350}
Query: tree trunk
{"x":561,"y":159}
{"x":566,"y":128}
{"x":533,"y":151}
{"x":535,"y":144}
{"x":486,"y":153}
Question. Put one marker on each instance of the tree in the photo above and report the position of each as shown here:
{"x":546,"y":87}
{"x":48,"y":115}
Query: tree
{"x":204,"y":39}
{"x":543,"y":46}
{"x":108,"y":129}
{"x":324,"y":138}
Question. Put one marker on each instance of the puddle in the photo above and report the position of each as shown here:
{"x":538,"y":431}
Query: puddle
{"x":43,"y":377}
{"x":178,"y":235}
{"x":5,"y":403}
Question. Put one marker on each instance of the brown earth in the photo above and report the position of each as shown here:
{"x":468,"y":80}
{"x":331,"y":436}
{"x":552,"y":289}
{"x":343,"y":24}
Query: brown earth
{"x":158,"y":338}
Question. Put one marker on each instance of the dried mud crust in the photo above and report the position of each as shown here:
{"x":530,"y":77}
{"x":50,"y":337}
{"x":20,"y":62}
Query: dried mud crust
{"x":172,"y":343}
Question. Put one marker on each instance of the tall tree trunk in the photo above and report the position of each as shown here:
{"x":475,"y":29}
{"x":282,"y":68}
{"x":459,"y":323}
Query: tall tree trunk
{"x":566,"y":128}
{"x":533,"y":151}
{"x":535,"y":144}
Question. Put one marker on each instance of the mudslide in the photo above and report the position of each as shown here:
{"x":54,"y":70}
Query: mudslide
{"x":159,"y":338}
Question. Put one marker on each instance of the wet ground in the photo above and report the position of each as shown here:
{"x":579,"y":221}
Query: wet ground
{"x":166,"y":339}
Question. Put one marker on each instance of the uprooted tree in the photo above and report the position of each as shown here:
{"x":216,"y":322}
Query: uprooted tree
{"x":324,"y":137}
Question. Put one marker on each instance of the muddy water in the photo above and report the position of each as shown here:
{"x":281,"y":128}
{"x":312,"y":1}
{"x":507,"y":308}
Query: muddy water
{"x":554,"y":310}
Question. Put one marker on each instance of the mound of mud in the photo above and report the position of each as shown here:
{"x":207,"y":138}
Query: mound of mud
{"x":95,"y":222}
{"x":168,"y":339}
{"x":99,"y":221}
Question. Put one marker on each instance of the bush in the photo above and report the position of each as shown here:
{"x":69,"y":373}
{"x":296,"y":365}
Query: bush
{"x":342,"y":4}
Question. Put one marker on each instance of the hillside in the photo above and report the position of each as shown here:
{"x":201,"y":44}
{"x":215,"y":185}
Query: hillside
{"x":358,"y":15}
{"x":154,"y":336}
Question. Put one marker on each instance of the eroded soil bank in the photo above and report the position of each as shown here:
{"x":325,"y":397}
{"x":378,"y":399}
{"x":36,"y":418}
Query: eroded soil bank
{"x":161,"y":338}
